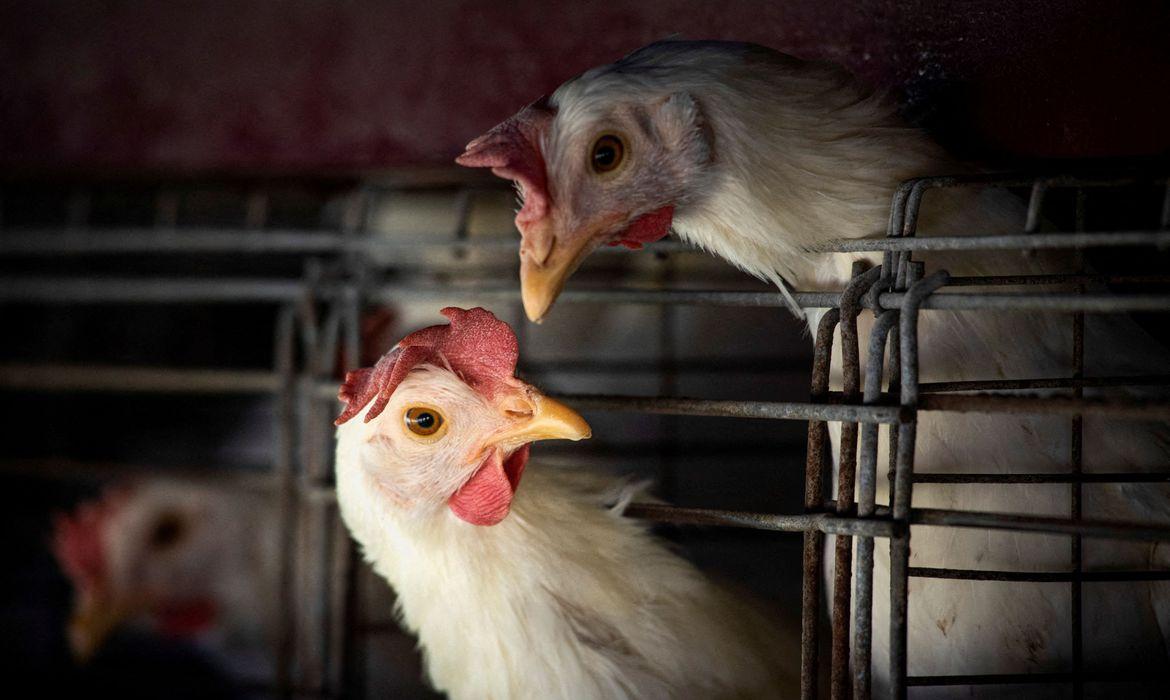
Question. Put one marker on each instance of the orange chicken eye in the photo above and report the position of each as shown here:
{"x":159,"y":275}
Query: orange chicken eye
{"x":423,"y":421}
{"x":608,"y":152}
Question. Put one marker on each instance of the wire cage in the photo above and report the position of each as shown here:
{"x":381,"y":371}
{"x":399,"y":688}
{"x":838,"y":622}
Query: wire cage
{"x":339,"y":268}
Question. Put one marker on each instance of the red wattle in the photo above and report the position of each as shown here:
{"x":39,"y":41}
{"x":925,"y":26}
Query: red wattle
{"x":486,"y":498}
{"x":647,"y":228}
{"x":186,"y":618}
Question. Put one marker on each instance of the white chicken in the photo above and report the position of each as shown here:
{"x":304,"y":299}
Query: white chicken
{"x":540,"y":592}
{"x":758,"y":157}
{"x":182,"y":561}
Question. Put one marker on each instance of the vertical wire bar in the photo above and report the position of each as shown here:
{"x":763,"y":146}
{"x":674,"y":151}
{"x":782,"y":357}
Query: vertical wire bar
{"x":335,"y":538}
{"x":846,"y":475}
{"x":349,"y":661}
{"x":913,"y":206}
{"x":1165,"y":222}
{"x":903,"y":477}
{"x":166,"y":209}
{"x":667,"y":384}
{"x":895,"y":388}
{"x":1076,"y":466}
{"x":285,"y":352}
{"x":866,"y":506}
{"x":814,"y":499}
{"x":317,"y":527}
{"x":309,"y":635}
{"x":256,"y":210}
{"x":464,"y":201}
{"x":1035,"y":206}
{"x":78,"y":209}
{"x":895,"y":228}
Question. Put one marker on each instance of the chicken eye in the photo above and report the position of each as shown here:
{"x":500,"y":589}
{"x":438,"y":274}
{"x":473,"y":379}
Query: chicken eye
{"x":607,"y":154}
{"x":423,"y":421}
{"x":168,"y":531}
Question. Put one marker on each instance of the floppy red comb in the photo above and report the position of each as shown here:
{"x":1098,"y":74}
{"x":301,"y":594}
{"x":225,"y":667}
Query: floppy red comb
{"x":476,"y":345}
{"x":78,"y":539}
{"x":512,"y":151}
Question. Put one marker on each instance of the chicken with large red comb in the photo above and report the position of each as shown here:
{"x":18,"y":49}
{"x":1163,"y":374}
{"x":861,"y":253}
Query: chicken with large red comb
{"x":544,"y":591}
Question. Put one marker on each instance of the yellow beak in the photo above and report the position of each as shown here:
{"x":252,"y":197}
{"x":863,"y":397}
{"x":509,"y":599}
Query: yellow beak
{"x":91,"y":624}
{"x":549,"y":420}
{"x":547,"y":260}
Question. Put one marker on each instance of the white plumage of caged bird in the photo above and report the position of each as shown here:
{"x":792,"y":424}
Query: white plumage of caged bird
{"x":761,"y":159}
{"x":540,"y":589}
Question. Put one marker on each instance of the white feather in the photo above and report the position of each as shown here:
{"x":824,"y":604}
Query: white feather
{"x":564,"y":598}
{"x":801,"y":156}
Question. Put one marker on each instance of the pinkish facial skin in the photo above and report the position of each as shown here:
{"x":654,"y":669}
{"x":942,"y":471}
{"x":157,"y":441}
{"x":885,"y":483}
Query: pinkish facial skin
{"x":570,"y":205}
{"x":482,"y":352}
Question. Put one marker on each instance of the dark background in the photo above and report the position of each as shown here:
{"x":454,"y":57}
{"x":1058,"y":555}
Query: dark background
{"x":300,"y":86}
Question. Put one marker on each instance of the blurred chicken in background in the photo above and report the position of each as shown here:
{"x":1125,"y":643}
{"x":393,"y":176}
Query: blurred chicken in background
{"x":179,"y":562}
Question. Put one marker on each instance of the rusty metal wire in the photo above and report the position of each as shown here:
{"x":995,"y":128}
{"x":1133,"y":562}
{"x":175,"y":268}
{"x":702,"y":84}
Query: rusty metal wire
{"x":898,"y":292}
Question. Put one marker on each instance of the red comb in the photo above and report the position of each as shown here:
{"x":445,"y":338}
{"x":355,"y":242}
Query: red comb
{"x":78,"y":539}
{"x":512,"y":151}
{"x":476,"y":345}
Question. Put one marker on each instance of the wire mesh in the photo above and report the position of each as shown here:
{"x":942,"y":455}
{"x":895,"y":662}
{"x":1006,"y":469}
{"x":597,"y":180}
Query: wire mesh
{"x":320,"y":313}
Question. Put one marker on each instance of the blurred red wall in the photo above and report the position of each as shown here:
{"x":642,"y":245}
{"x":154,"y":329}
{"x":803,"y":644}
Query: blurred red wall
{"x":305,"y":86}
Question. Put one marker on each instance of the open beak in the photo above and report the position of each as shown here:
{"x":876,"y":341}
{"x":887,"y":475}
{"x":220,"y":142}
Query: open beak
{"x":91,"y":624}
{"x":549,"y":420}
{"x":548,"y":258}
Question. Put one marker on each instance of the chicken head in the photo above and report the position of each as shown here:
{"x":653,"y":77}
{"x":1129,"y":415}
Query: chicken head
{"x":144,"y":554}
{"x":445,"y":423}
{"x":593,"y":171}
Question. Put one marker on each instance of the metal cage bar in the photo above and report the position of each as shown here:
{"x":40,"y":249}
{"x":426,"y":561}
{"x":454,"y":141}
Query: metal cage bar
{"x":896,"y":292}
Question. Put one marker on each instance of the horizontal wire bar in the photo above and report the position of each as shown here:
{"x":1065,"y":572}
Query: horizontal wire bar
{"x":879,"y":526}
{"x":1038,"y":678}
{"x":814,"y":522}
{"x":1023,"y":241}
{"x":771,"y":410}
{"x":1060,"y":478}
{"x":63,"y":377}
{"x":1117,"y":407}
{"x":1030,"y":523}
{"x":1048,"y":383}
{"x":1135,"y":409}
{"x":1040,"y":280}
{"x":178,"y":290}
{"x":21,"y":376}
{"x":1091,"y":303}
{"x":234,"y":477}
{"x":244,"y":241}
{"x":151,"y":290}
{"x":97,"y":240}
{"x":39,"y":377}
{"x":1038,"y":576}
{"x":1054,"y":180}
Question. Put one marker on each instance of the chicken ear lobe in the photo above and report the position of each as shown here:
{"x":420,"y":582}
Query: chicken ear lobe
{"x":512,"y":150}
